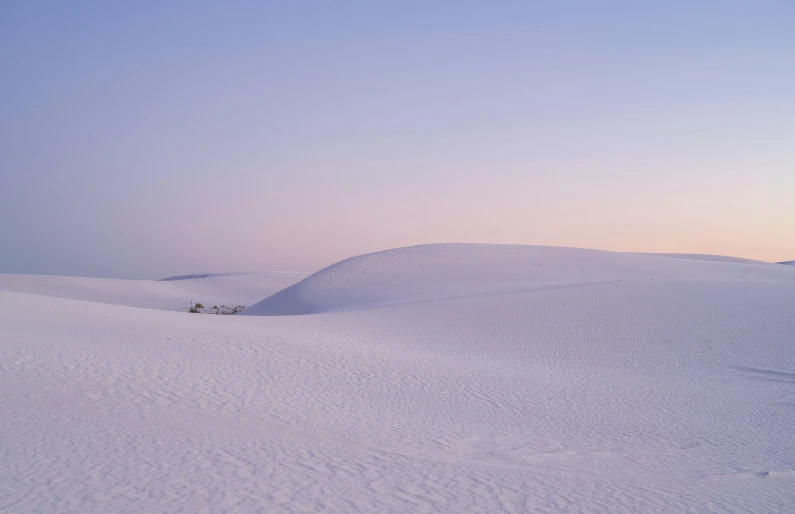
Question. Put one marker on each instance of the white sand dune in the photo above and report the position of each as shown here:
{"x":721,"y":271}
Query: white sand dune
{"x":174,"y":295}
{"x":441,"y":378}
{"x":446,"y":271}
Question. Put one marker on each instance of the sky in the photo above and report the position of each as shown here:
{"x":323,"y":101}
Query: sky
{"x":146,"y":139}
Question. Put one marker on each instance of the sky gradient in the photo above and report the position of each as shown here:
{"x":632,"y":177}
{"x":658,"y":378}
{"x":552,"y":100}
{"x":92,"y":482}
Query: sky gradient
{"x":147,"y":140}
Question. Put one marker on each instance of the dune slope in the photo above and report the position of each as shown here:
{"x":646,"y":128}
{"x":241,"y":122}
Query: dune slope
{"x":598,"y":383}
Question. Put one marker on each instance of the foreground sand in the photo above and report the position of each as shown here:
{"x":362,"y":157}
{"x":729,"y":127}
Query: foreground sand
{"x":444,"y":378}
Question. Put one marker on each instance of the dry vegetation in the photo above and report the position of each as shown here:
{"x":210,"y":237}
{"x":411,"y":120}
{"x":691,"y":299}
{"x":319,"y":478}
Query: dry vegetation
{"x":223,"y":310}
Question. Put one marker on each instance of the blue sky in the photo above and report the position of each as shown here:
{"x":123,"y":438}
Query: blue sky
{"x":142,"y":140}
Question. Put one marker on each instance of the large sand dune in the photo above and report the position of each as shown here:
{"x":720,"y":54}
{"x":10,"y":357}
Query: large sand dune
{"x":442,"y":378}
{"x":447,"y":271}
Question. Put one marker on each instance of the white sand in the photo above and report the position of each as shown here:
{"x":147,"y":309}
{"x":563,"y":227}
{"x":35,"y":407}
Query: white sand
{"x":443,"y":378}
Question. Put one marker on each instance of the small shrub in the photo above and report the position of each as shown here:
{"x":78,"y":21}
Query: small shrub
{"x":199,"y":306}
{"x":194,"y":310}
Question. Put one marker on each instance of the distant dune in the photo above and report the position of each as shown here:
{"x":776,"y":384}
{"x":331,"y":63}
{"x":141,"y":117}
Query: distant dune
{"x":193,"y":276}
{"x":788,"y":263}
{"x":170,"y":294}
